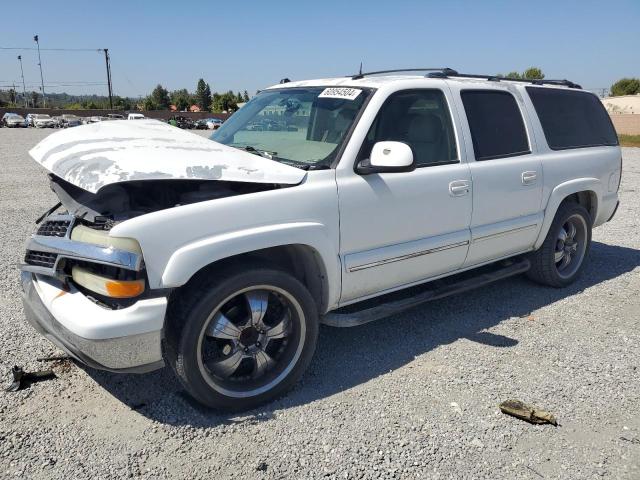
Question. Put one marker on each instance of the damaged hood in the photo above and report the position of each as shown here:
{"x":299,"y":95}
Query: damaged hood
{"x":100,"y":154}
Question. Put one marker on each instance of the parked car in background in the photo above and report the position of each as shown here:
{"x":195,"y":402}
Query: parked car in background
{"x":42,"y":120}
{"x":135,"y":116}
{"x":181,"y":121}
{"x":213,"y":123}
{"x":452,"y":181}
{"x":115,"y":116}
{"x":69,"y":121}
{"x":96,"y":119}
{"x":13,"y":120}
{"x":200,"y":124}
{"x":57,"y":121}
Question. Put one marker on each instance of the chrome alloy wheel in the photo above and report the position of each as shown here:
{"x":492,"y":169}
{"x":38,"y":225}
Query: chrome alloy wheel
{"x":571,"y":244}
{"x":251,"y":341}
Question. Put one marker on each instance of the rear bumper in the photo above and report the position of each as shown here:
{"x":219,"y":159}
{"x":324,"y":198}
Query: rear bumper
{"x":125,"y":340}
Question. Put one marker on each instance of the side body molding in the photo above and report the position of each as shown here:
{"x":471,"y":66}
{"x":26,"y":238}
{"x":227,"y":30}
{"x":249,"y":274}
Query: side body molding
{"x":194,"y":256}
{"x":559,"y":193}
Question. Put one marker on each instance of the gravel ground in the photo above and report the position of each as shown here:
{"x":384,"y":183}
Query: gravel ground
{"x":414,"y":396}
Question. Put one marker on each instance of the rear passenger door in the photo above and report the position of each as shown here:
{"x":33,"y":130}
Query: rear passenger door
{"x":506,"y":173}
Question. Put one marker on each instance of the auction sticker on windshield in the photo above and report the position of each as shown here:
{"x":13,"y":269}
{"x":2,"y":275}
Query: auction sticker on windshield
{"x":340,"y":92}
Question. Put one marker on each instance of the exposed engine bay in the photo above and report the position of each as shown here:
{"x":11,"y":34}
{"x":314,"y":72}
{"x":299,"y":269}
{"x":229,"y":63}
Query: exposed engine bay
{"x":120,"y":201}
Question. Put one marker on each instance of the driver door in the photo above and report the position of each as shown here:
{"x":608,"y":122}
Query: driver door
{"x":401,"y":228}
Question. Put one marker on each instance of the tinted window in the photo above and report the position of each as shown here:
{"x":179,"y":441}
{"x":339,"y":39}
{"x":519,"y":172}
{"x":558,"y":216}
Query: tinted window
{"x":497,"y":129}
{"x":572,"y":119}
{"x":419,"y":118}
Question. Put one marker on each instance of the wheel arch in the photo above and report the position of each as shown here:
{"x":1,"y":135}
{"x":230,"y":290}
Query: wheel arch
{"x":584,"y":191}
{"x":298,"y":251}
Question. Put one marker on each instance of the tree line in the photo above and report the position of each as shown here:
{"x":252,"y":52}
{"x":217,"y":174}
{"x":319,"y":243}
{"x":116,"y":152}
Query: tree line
{"x":161,"y":99}
{"x":14,"y":98}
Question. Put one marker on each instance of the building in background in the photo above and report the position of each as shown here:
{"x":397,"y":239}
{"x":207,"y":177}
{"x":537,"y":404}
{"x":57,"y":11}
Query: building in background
{"x":624,"y":104}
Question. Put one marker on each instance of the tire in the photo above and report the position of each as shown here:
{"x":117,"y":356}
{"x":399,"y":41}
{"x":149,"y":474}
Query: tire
{"x":245,"y":339}
{"x":560,"y":259}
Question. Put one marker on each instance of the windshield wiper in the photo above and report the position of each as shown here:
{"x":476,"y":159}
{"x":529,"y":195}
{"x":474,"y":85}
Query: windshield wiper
{"x":262,"y":153}
{"x":272,"y":156}
{"x":315,"y":166}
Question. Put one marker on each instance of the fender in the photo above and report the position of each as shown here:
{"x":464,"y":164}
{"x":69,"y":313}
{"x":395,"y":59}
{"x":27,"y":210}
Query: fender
{"x":559,"y":193}
{"x":190,"y":258}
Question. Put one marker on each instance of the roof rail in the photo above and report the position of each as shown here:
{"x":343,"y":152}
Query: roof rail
{"x":444,"y":70}
{"x":534,"y":81}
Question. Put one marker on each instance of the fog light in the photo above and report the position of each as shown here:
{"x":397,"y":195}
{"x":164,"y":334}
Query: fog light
{"x":107,"y":286}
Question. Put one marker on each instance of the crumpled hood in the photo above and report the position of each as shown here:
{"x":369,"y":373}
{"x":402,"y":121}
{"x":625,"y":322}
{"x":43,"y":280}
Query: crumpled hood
{"x":99,"y":154}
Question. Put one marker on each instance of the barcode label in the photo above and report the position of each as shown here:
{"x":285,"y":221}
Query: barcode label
{"x":340,"y":92}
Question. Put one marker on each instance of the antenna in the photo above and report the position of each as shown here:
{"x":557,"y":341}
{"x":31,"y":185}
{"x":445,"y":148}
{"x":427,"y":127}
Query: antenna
{"x":360,"y":71}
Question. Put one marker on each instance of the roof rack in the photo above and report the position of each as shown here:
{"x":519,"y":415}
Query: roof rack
{"x":446,"y":72}
{"x":534,"y":81}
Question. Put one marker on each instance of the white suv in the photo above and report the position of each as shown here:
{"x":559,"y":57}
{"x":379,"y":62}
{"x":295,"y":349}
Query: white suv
{"x":221,"y":257}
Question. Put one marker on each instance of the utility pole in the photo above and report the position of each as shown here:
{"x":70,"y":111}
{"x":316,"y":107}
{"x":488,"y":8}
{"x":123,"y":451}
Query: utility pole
{"x":24,"y":89}
{"x":108,"y":63}
{"x":44,"y":98}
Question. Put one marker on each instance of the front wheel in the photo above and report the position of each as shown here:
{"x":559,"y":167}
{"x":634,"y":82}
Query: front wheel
{"x":560,"y":259}
{"x":245,"y":339}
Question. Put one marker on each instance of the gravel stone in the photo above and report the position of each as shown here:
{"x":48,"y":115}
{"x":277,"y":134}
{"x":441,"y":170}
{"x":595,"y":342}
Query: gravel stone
{"x":412,"y":396}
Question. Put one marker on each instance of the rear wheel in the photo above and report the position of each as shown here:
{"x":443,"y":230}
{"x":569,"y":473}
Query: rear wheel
{"x":245,"y":340}
{"x":559,"y":261}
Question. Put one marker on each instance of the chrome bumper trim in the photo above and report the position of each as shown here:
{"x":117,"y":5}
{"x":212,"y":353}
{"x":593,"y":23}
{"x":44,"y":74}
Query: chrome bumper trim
{"x":64,"y":247}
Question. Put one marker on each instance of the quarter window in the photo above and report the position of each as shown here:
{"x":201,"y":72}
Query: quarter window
{"x":496,"y":124}
{"x":419,"y":118}
{"x":572,"y":119}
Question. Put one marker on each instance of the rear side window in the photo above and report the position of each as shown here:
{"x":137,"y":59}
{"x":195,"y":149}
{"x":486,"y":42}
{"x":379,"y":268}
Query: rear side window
{"x":496,"y":124}
{"x":572,"y":119}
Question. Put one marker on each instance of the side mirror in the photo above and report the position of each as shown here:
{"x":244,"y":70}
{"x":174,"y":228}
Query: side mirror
{"x":388,"y":157}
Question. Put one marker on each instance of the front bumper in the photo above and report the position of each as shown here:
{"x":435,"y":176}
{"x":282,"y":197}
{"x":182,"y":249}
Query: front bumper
{"x":125,"y":340}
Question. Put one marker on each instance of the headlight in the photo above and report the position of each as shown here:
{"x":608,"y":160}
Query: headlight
{"x":86,"y":276}
{"x":102,"y":238}
{"x":107,"y":287}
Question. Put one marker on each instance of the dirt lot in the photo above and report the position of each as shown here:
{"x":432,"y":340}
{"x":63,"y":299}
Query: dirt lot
{"x":414,"y":396}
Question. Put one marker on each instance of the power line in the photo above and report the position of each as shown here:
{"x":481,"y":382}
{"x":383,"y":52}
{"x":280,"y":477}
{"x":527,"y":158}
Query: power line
{"x":80,"y":82}
{"x":107,"y":58}
{"x":37,"y":85}
{"x":55,"y":49}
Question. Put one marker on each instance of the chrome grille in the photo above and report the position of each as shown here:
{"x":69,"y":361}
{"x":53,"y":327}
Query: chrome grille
{"x":54,"y":228}
{"x":40,"y":259}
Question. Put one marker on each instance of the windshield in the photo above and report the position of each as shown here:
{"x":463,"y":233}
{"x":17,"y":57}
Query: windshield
{"x":302,"y":126}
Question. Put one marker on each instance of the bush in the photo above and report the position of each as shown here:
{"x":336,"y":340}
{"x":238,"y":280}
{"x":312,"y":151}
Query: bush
{"x":625,"y":86}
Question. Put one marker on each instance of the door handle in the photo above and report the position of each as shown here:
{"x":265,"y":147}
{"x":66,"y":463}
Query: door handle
{"x":458,"y":188}
{"x":529,"y":177}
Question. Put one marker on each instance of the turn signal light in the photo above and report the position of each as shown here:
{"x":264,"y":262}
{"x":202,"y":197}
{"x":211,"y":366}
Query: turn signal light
{"x":107,"y":286}
{"x":124,"y":289}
